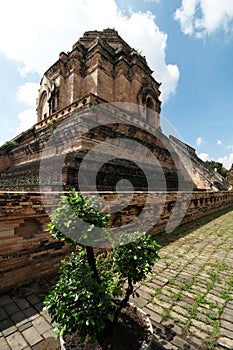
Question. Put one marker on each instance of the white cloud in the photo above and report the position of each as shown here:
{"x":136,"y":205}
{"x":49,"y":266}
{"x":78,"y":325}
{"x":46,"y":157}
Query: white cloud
{"x":199,"y":141}
{"x":34,"y":38}
{"x":204,"y":156}
{"x":230,"y":147}
{"x":219,"y":142}
{"x":201,"y":17}
{"x":26,"y":119}
{"x":28,"y":93}
{"x":227,"y":161}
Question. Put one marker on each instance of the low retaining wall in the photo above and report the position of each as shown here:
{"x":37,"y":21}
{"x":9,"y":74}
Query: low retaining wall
{"x":28,"y":252}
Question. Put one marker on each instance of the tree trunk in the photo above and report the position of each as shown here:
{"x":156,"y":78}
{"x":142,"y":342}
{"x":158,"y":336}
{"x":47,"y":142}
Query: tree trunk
{"x":91,"y":261}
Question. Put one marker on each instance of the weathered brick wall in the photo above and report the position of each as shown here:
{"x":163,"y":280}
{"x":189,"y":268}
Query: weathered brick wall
{"x":28,"y":252}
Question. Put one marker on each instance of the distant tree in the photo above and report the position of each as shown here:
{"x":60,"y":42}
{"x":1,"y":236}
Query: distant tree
{"x":217,"y":167}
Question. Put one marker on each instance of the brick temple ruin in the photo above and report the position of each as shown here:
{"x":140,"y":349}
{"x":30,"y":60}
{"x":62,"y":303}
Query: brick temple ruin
{"x":101,"y":70}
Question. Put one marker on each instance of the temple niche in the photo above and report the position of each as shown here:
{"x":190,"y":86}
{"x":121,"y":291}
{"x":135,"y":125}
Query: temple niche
{"x":47,"y":101}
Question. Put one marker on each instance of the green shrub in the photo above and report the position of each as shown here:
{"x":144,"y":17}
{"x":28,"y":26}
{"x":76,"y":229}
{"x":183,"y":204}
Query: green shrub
{"x":81,"y":299}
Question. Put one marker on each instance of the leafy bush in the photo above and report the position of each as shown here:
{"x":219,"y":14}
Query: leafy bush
{"x":81,"y":299}
{"x":9,"y":145}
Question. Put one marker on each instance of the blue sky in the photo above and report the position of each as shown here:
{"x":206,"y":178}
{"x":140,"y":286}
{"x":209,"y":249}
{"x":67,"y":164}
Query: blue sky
{"x":188,"y":44}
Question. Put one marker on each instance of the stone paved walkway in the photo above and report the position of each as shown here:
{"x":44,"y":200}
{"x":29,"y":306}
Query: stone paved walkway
{"x":189,"y":295}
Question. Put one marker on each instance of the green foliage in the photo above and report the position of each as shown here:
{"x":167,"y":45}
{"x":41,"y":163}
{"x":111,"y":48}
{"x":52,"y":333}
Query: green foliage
{"x":135,"y":259}
{"x":78,"y":219}
{"x":78,"y":300}
{"x":81,"y":299}
{"x":218,"y":166}
{"x":9,"y":145}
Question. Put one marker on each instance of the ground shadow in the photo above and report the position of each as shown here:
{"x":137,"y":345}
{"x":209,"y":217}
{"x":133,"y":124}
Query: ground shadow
{"x":164,"y":238}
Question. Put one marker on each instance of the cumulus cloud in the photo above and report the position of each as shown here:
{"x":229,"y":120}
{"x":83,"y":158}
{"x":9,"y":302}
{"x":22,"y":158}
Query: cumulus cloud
{"x":219,"y":142}
{"x":40,"y":36}
{"x":26,"y":119}
{"x":227,"y":161}
{"x":199,"y":141}
{"x":204,"y":156}
{"x":204,"y":17}
{"x":28,"y":93}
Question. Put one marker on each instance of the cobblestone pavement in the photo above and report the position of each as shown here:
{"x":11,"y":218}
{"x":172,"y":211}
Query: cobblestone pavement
{"x":189,"y":295}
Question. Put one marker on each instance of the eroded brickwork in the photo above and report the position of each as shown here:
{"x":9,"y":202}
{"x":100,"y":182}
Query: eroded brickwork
{"x":28,"y":252}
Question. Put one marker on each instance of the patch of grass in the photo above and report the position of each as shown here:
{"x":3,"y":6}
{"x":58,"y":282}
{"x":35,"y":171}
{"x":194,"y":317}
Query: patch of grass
{"x":211,"y":315}
{"x":188,"y":324}
{"x":209,"y":286}
{"x":210,"y":343}
{"x":176,"y":296}
{"x":171,"y":281}
{"x":200,"y":299}
{"x":187,"y":286}
{"x":158,"y":290}
{"x":230,"y":282}
{"x":192,"y":310}
{"x":214,"y":276}
{"x":165,"y":313}
{"x":225,"y":295}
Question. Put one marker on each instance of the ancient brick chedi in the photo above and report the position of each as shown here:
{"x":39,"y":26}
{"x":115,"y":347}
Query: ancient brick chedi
{"x":101,"y":68}
{"x":102,"y":90}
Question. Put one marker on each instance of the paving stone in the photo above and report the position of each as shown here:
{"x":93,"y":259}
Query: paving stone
{"x":180,"y":310}
{"x":3,"y":314}
{"x":21,"y":302}
{"x":24,"y":326}
{"x":18,"y":317}
{"x":226,"y":342}
{"x":197,"y":341}
{"x":213,"y":297}
{"x":45,"y":314}
{"x":178,"y":317}
{"x":201,"y":325}
{"x":33,"y":299}
{"x":227,"y":325}
{"x":32,"y":336}
{"x":230,"y":304}
{"x":182,"y":344}
{"x":225,"y":333}
{"x":6,"y":324}
{"x":197,"y":332}
{"x":227,"y":316}
{"x":154,"y":317}
{"x":3,"y":344}
{"x":41,"y":325}
{"x":228,"y":311}
{"x":49,"y":333}
{"x":11,"y":308}
{"x":9,"y":331}
{"x":155,"y":308}
{"x":5,"y":299}
{"x":39,"y":306}
{"x":16,"y":341}
{"x":31,"y":313}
